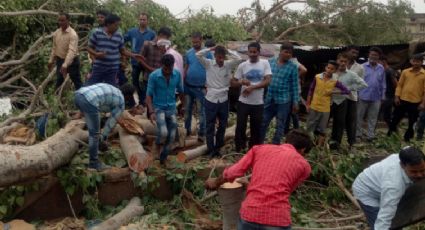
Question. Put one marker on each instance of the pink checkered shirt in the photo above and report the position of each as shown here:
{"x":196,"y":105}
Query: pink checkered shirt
{"x":277,"y":170}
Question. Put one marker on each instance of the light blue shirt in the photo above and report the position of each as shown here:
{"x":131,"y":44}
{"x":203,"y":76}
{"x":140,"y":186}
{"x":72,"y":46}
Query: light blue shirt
{"x":163,"y":92}
{"x":382,"y":185}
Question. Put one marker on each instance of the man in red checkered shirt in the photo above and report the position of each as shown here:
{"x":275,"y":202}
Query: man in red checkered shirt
{"x":277,"y":170}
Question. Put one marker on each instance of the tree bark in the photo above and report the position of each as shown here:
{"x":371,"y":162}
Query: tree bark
{"x":190,"y":154}
{"x":133,"y":209}
{"x":20,"y":163}
{"x":138,"y":159}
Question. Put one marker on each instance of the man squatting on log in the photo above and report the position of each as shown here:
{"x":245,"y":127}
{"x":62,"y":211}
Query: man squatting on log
{"x":277,"y":170}
{"x":101,"y":97}
{"x":380,"y":187}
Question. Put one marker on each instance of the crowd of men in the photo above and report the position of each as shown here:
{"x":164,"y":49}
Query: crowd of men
{"x":349,"y":92}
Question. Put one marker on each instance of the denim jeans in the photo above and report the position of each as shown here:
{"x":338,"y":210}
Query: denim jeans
{"x":103,"y":75}
{"x":92,"y":117}
{"x":281,"y":112}
{"x":212,"y":112}
{"x":371,"y":214}
{"x":166,"y":125}
{"x":245,"y":225}
{"x":73,"y":70}
{"x":135,"y":76}
{"x":194,"y":95}
{"x":295,"y":122}
{"x":371,"y":108}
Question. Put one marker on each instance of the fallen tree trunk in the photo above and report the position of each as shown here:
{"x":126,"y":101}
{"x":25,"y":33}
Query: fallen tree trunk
{"x":20,"y":163}
{"x":150,"y":128}
{"x":133,"y":209}
{"x":137,"y":157}
{"x":190,"y":154}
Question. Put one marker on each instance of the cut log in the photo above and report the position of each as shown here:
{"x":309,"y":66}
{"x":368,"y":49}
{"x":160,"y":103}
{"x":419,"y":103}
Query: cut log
{"x":133,"y":209}
{"x":150,"y":129}
{"x":137,"y":157}
{"x":19,"y":163}
{"x":190,"y":154}
{"x":230,"y":196}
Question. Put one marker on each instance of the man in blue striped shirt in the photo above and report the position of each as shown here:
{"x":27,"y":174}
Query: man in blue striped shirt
{"x":92,"y":100}
{"x":106,"y":45}
{"x":282,"y":92}
{"x":161,"y":102}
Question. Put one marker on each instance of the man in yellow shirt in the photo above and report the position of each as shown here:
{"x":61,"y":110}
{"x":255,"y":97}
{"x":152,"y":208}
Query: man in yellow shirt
{"x":65,"y":53}
{"x":409,"y":96}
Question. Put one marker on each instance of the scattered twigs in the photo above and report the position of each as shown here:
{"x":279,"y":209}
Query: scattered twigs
{"x":350,"y":218}
{"x":340,"y":183}
{"x":348,"y":227}
{"x":9,"y":81}
{"x":5,"y":52}
{"x":34,"y":101}
{"x":34,"y":48}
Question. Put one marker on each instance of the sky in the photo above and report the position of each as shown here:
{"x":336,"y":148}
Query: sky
{"x":231,"y":6}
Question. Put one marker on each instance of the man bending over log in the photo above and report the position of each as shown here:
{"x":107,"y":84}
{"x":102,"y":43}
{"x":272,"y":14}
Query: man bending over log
{"x":277,"y":170}
{"x":380,"y":187}
{"x":91,"y":100}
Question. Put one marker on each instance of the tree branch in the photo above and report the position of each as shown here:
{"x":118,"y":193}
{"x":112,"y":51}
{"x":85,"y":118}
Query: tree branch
{"x":35,"y":12}
{"x":13,"y":79}
{"x":278,"y":5}
{"x":44,"y":5}
{"x":31,"y":51}
{"x":295,"y":28}
{"x":34,"y":101}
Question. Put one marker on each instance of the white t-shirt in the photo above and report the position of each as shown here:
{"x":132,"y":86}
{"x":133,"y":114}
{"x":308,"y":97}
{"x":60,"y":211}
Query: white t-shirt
{"x":253,"y":72}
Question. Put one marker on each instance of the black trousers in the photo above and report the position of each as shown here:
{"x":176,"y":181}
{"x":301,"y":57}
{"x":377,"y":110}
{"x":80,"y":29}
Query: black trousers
{"x":73,"y":71}
{"x":351,"y":121}
{"x":387,"y":110}
{"x":412,"y":114}
{"x":339,"y":114}
{"x":255,"y":114}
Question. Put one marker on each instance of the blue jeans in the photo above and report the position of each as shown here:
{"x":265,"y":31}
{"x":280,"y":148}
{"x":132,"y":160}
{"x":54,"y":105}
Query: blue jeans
{"x":371,"y":214}
{"x":136,"y":69}
{"x":166,"y":126}
{"x":92,"y":117}
{"x":212,"y":112}
{"x":194,"y":95}
{"x":103,"y":75}
{"x":281,"y":112}
{"x":245,"y":225}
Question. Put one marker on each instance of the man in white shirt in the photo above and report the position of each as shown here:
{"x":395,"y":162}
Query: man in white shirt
{"x":218,"y":76}
{"x":253,"y":76}
{"x":380,"y":187}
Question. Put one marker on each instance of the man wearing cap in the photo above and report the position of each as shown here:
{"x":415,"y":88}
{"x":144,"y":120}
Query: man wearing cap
{"x":379,"y":188}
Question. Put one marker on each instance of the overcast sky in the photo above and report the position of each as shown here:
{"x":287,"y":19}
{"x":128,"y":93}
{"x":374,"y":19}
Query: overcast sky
{"x":232,"y":6}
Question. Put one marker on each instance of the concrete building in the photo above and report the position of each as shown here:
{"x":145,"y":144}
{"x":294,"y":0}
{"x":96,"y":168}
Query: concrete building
{"x":416,"y":27}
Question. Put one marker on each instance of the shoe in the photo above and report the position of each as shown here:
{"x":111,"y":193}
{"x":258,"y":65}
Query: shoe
{"x":333,"y":145}
{"x":155,"y":150}
{"x":201,"y":139}
{"x":99,"y":168}
{"x":215,"y":154}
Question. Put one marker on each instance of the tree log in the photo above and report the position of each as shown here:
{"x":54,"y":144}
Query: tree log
{"x":133,"y":209}
{"x":138,"y":159}
{"x":20,"y":163}
{"x":150,"y":129}
{"x":190,"y":154}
